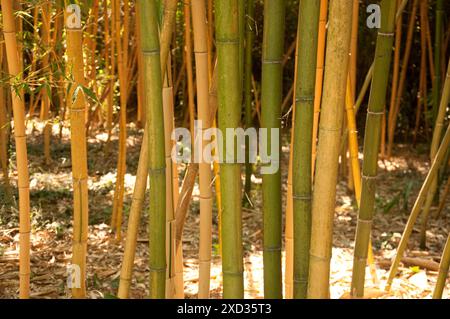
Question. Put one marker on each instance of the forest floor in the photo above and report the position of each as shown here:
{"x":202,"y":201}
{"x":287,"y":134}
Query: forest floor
{"x":51,"y":209}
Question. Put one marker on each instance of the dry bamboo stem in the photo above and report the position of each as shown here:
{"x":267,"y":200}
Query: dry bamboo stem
{"x":77,"y":107}
{"x":437,"y":133}
{"x":15,"y":71}
{"x":45,"y":101}
{"x":122,"y":59}
{"x":432,"y":173}
{"x":170,"y":213}
{"x":443,"y":271}
{"x":333,"y":104}
{"x":202,"y":75}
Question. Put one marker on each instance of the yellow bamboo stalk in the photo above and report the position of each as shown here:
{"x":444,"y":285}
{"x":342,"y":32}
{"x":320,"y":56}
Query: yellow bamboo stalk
{"x":319,"y":76}
{"x":45,"y":100}
{"x":289,"y":228}
{"x":202,"y":76}
{"x":333,"y":105}
{"x":15,"y":72}
{"x":77,"y":106}
{"x":122,"y":59}
{"x":188,"y":61}
{"x":4,"y":130}
{"x":170,"y":210}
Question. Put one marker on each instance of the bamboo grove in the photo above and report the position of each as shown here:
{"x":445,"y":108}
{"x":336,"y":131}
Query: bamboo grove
{"x":325,"y":91}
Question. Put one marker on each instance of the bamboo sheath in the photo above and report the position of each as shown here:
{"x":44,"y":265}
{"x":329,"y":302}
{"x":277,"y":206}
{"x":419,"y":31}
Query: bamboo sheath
{"x":229,"y":107}
{"x":432,"y":173}
{"x":77,"y":107}
{"x":205,"y":176}
{"x":435,"y":142}
{"x":443,"y":271}
{"x":271,"y":99}
{"x":324,"y":196}
{"x":141,"y":178}
{"x":308,"y":24}
{"x":14,"y":68}
{"x":372,"y":144}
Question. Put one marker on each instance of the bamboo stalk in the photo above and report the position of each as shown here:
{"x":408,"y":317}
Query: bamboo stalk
{"x":372,"y":143}
{"x":395,"y":72}
{"x":324,"y":196}
{"x":4,"y":130}
{"x":437,"y":134}
{"x":319,"y":78}
{"x":289,"y":228}
{"x":167,"y":95}
{"x":393,"y":114}
{"x":133,"y":221}
{"x":229,"y":102}
{"x":140,"y":186}
{"x":122,"y":59}
{"x":439,"y":24}
{"x":202,"y":76}
{"x":443,"y":271}
{"x":443,"y":198}
{"x":308,"y":24}
{"x":12,"y":55}
{"x":46,"y":95}
{"x":189,"y":69}
{"x":422,"y":90}
{"x":156,"y":161}
{"x":432,"y":173}
{"x":271,"y":99}
{"x":248,"y":64}
{"x":77,"y":107}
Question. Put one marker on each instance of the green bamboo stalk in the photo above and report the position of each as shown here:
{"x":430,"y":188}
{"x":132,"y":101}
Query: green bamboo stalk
{"x":229,"y":96}
{"x":271,"y":99}
{"x":437,"y":56}
{"x":436,"y":140}
{"x":383,"y":54}
{"x":248,"y":118}
{"x":440,"y":155}
{"x":156,"y":160}
{"x":443,"y":271}
{"x":307,"y":37}
{"x":330,"y":127}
